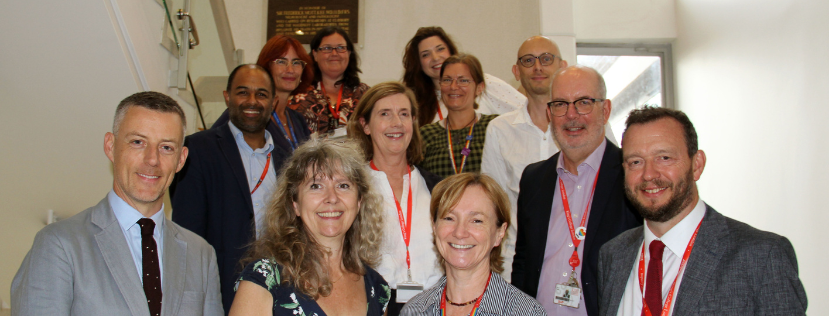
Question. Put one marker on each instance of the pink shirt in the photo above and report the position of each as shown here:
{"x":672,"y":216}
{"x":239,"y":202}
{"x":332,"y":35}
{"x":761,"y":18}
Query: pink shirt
{"x":556,"y":267}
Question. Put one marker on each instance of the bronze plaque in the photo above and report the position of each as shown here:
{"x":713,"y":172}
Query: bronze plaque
{"x":301,"y":19}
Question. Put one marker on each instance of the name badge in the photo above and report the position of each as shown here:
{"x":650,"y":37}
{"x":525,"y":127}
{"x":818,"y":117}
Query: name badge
{"x":339,"y":132}
{"x":568,"y":294}
{"x":407,"y":290}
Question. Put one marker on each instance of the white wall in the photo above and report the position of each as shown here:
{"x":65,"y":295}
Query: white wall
{"x":751,"y":75}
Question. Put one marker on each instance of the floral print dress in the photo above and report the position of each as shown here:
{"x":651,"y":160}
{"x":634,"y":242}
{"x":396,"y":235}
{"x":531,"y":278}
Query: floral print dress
{"x":317,"y":108}
{"x":288,"y":302}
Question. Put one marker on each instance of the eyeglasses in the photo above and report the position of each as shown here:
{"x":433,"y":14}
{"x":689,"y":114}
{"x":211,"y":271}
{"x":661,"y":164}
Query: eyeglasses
{"x":284,"y":62}
{"x":462,"y":82}
{"x":528,"y":60}
{"x":328,"y":49}
{"x":583,"y":106}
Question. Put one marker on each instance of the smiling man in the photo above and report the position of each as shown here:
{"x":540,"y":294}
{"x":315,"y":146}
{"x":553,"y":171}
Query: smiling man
{"x":224,"y":189}
{"x":122,"y":257}
{"x":697,"y":261}
{"x":572,"y":203}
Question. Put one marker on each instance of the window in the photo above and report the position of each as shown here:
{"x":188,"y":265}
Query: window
{"x":635,"y":74}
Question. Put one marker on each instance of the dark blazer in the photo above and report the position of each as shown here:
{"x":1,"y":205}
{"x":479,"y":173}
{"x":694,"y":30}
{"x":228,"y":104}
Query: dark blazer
{"x":431,"y":179}
{"x":610,"y":215}
{"x":734,"y":269}
{"x":297,"y":121}
{"x":211,"y":197}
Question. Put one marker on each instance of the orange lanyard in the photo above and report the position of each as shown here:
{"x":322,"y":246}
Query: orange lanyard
{"x":666,"y":307}
{"x":405,"y":227}
{"x":574,"y":259}
{"x":334,"y":111}
{"x":464,"y":152}
{"x":264,"y":173}
{"x":440,"y":113}
{"x":477,"y":302}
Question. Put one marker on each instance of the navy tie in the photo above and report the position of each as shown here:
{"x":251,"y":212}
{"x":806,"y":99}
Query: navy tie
{"x":152,"y":272}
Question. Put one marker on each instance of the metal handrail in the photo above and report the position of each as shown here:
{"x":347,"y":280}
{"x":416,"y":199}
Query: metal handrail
{"x":194,"y":41}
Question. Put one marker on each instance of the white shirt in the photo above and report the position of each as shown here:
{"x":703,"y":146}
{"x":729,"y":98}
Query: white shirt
{"x":425,"y":269}
{"x":512,"y":143}
{"x":254,"y":161}
{"x":675,"y":240}
{"x":499,"y":97}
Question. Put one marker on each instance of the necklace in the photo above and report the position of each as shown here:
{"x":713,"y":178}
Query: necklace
{"x":460,"y":304}
{"x":465,"y":151}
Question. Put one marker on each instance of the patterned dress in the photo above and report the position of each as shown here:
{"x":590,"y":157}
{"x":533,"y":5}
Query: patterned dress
{"x":288,"y":302}
{"x":316,"y":108}
{"x":436,"y":157}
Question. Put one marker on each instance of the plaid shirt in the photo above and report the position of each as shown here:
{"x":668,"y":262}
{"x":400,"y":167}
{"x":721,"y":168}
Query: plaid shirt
{"x":436,"y":147}
{"x":315,"y":107}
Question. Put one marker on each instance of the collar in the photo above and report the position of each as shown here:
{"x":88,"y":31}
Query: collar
{"x":240,"y":140}
{"x":128,"y":216}
{"x":678,"y":237}
{"x":594,"y":161}
{"x":491,"y":303}
{"x":523,"y":116}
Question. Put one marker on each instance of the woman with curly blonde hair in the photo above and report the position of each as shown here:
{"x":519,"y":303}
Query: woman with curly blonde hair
{"x":321,"y":240}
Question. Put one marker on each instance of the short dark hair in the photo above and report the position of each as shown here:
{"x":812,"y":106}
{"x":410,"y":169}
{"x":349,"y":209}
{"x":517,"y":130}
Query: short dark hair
{"x":350,"y":77}
{"x":653,"y":113}
{"x":255,"y":66}
{"x":150,"y":100}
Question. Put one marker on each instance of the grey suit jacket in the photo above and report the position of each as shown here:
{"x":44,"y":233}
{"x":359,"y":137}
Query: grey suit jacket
{"x":83,"y":266}
{"x":734,"y":269}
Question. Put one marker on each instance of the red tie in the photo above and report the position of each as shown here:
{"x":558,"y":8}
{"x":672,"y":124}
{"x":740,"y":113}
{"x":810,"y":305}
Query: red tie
{"x":653,"y":283}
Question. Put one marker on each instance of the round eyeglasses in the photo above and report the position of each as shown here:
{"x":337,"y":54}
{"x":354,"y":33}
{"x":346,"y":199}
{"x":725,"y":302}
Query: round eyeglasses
{"x":528,"y":60}
{"x":284,"y":62}
{"x":583,"y":106}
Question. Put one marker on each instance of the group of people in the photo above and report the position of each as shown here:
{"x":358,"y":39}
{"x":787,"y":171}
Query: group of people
{"x":450,"y":193}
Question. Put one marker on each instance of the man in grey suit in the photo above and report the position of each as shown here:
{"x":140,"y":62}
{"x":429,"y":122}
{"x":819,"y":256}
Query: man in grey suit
{"x":697,"y":260}
{"x":108,"y":259}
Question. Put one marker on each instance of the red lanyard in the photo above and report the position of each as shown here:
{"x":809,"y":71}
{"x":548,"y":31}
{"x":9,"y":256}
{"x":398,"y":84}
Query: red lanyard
{"x":574,"y":259}
{"x":666,"y":307}
{"x":334,"y":111}
{"x":477,"y":303}
{"x":405,"y":227}
{"x":440,"y":113}
{"x":264,"y":173}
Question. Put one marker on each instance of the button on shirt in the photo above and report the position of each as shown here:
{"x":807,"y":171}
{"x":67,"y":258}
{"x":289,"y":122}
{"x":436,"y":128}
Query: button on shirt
{"x":513,"y":142}
{"x":675,"y":240}
{"x":128,"y":217}
{"x":556,"y":267}
{"x":254,"y":161}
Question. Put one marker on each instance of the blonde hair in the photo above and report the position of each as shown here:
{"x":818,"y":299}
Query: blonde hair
{"x":414,"y":153}
{"x":448,"y":193}
{"x":286,"y":240}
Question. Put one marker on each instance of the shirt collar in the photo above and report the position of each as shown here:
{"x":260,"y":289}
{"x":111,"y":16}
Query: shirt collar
{"x":677,"y":238}
{"x":594,"y":161}
{"x":128,"y":216}
{"x":240,"y":139}
{"x":524,"y":117}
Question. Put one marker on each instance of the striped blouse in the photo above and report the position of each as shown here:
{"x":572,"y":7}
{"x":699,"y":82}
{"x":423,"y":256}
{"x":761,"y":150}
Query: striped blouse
{"x":500,"y":298}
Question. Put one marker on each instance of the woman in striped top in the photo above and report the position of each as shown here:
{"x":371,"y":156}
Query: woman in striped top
{"x":470,"y":216}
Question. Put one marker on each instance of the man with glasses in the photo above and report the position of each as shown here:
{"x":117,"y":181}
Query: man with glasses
{"x":574,"y":202}
{"x":223,"y":191}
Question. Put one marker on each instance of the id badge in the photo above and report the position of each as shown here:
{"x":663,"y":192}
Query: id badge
{"x":568,"y":294}
{"x":407,"y":290}
{"x":339,"y":132}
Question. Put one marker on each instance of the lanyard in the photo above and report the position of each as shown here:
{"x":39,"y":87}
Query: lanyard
{"x":334,"y":111}
{"x":574,"y":259}
{"x":293,"y":142}
{"x":264,"y":173}
{"x":666,"y":307}
{"x":440,"y":113}
{"x":405,"y":227}
{"x":477,"y":303}
{"x":464,"y":152}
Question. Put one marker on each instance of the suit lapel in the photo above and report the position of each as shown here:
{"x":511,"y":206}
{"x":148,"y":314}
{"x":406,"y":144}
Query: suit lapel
{"x":175,"y":268}
{"x":543,"y":207}
{"x":609,"y":171}
{"x":116,"y":254}
{"x":621,"y":266}
{"x":707,"y":252}
{"x":231,"y":152}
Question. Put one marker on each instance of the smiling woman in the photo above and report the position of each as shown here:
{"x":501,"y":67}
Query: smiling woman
{"x":321,"y":240}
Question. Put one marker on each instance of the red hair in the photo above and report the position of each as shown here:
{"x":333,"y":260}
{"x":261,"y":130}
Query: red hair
{"x":278,"y":46}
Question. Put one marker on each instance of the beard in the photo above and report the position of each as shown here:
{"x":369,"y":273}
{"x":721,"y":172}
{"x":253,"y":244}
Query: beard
{"x":680,"y":199}
{"x":249,"y":125}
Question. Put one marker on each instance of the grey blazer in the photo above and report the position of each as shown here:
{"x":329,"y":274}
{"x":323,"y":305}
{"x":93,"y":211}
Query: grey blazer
{"x":82,"y":266}
{"x":734,"y":269}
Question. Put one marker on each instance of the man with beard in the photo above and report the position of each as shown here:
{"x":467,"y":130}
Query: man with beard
{"x":572,"y":203}
{"x":223,"y":190}
{"x":703,"y":262}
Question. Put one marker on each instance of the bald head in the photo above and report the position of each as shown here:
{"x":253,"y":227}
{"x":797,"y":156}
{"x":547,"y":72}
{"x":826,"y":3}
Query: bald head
{"x":536,"y":78}
{"x":586,"y":74}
